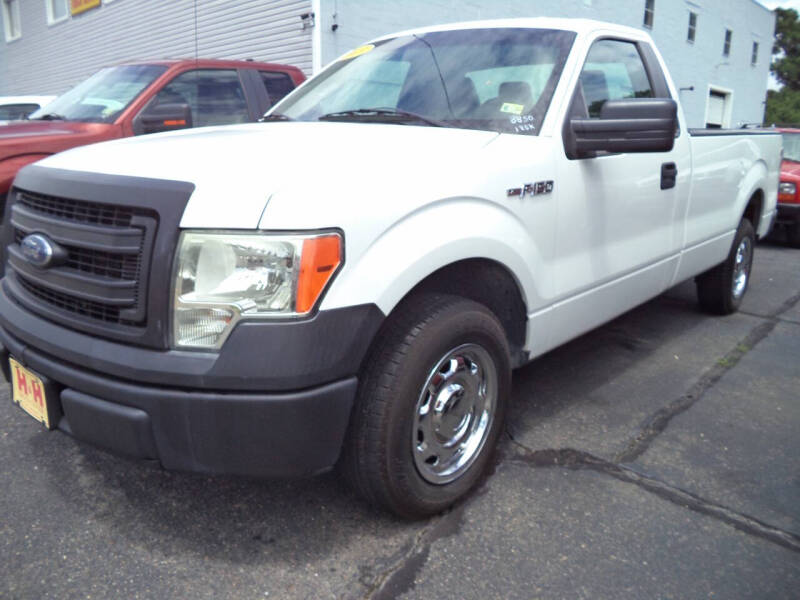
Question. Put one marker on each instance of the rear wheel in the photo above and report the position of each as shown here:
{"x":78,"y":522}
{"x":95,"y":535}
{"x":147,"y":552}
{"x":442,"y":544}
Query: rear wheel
{"x":721,"y":289}
{"x":430,"y":407}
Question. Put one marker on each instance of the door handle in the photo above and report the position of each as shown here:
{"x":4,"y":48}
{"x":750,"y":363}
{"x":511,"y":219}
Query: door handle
{"x":669,"y":174}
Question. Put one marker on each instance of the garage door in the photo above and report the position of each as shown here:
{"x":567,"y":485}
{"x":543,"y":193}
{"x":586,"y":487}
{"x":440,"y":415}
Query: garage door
{"x":716,"y":109}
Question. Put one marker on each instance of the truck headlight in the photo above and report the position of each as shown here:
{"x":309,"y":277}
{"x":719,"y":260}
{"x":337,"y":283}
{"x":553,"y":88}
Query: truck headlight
{"x":221,"y":278}
{"x":786,"y":188}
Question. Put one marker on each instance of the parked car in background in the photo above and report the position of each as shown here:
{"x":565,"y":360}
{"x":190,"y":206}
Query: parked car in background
{"x":14,"y":108}
{"x":789,"y":189}
{"x":145,"y":97}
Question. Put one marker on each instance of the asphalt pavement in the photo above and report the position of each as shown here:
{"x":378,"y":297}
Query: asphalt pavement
{"x":655,"y":457}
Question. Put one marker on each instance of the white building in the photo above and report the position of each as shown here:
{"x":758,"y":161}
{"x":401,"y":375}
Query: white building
{"x":718,"y":51}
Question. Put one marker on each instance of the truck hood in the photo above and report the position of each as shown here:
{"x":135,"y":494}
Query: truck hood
{"x":49,"y":137}
{"x":300,"y":167}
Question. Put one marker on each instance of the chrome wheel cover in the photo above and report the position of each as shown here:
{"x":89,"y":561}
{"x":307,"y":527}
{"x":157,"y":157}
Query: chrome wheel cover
{"x":454,"y":413}
{"x":741,"y":267}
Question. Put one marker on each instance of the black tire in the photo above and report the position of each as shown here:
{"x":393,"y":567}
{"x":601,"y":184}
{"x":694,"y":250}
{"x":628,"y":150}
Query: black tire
{"x":716,"y":290}
{"x":793,"y":235}
{"x":379,"y":458}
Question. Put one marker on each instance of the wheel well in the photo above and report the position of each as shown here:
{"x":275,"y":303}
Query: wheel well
{"x":753,"y":210}
{"x":488,"y":283}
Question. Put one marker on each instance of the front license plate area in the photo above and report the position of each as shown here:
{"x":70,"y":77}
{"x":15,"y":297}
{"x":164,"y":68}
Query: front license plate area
{"x":33,"y":394}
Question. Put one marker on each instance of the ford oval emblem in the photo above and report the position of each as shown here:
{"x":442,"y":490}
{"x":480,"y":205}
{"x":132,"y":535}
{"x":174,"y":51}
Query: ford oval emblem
{"x":38,"y":250}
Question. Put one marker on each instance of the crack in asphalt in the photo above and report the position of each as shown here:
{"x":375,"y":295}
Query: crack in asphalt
{"x":658,"y":422}
{"x":400,"y":577}
{"x":787,"y":304}
{"x":576,"y":459}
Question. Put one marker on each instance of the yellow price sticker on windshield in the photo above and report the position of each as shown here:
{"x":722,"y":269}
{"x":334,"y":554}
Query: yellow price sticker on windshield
{"x":510,"y":107}
{"x":357,"y":51}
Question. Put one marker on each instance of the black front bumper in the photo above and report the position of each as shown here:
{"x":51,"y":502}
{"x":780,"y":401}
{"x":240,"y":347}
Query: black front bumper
{"x":215,"y":426}
{"x":788,"y":214}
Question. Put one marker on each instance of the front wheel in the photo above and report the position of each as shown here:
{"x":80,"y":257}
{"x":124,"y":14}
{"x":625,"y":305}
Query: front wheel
{"x":430,"y":407}
{"x":721,"y":289}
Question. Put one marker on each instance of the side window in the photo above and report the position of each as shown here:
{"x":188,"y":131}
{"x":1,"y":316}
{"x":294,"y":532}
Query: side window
{"x":215,"y":96}
{"x":13,"y":112}
{"x":277,"y":84}
{"x":613,"y":71}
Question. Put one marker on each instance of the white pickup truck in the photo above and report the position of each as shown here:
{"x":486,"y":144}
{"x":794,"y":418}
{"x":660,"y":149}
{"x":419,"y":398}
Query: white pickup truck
{"x":352,"y":281}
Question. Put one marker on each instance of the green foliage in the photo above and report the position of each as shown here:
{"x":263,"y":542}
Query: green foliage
{"x":783,"y":107}
{"x":786,"y":66}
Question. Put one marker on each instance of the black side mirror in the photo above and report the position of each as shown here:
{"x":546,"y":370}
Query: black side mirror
{"x":633,"y":125}
{"x":163,"y":117}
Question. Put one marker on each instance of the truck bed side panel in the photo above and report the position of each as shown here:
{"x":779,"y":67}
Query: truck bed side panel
{"x":729,"y":168}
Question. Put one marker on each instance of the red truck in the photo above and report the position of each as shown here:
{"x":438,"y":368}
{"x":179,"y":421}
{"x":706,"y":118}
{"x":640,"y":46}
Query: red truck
{"x":144,"y":97}
{"x":789,"y":188}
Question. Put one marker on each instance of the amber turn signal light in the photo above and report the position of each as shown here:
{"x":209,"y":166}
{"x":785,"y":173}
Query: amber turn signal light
{"x":321,"y":257}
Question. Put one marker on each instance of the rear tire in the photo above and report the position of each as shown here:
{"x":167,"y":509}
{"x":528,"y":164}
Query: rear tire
{"x":720,"y":290}
{"x":430,"y":407}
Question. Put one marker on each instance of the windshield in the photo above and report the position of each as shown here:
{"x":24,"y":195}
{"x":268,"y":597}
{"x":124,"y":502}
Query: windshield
{"x":494,"y":79}
{"x":103,"y":96}
{"x":791,"y":146}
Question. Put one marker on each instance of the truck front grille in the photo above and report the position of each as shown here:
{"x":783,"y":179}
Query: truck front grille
{"x":103,"y":276}
{"x":97,"y":262}
{"x":77,"y":210}
{"x":114,"y":238}
{"x":86,"y":308}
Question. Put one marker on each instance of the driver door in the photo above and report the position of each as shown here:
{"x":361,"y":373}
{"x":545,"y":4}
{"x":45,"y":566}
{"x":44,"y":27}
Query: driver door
{"x":618,"y":228}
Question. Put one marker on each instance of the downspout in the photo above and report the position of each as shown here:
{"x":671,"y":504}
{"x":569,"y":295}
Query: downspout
{"x":316,"y":37}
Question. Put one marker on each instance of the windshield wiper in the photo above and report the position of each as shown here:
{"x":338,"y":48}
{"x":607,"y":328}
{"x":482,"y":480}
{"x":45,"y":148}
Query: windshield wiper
{"x":50,"y":117}
{"x":381,"y":115}
{"x":275,"y":117}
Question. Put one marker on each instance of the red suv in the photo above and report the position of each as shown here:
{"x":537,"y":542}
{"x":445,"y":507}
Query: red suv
{"x":789,"y":188}
{"x":138,"y":98}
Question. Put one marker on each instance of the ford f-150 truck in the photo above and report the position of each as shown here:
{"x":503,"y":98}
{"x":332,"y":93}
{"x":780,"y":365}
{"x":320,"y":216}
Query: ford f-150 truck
{"x":136,"y":98}
{"x":351,"y":282}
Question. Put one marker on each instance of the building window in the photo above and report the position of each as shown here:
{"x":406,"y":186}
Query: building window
{"x":57,"y":11}
{"x":692,"y":27}
{"x":11,"y":22}
{"x":649,"y":10}
{"x":754,"y":56}
{"x":726,"y":49}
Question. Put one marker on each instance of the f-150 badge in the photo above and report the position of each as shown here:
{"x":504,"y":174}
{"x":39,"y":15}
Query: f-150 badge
{"x":531,"y":189}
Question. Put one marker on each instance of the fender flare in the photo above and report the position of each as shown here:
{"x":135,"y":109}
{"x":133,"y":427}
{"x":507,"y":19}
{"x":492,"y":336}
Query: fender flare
{"x":753,"y":182}
{"x":430,"y":238}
